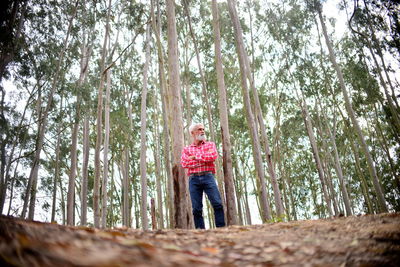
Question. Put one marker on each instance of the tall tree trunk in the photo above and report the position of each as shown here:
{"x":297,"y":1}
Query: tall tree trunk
{"x":72,"y":174}
{"x":84,"y":63}
{"x":266,"y":212}
{"x":356,"y":126}
{"x":223,"y":114}
{"x":314,"y":146}
{"x":105,"y":151}
{"x":339,"y":173}
{"x":158,"y":164}
{"x":126,"y":210}
{"x":85,"y":169}
{"x":264,"y":138}
{"x":99,"y":126}
{"x":57,"y":168}
{"x":180,"y":183}
{"x":165,"y":106}
{"x":143,"y":128}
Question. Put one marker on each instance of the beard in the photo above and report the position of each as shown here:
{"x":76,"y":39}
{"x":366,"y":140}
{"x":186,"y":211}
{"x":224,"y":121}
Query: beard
{"x":201,"y":137}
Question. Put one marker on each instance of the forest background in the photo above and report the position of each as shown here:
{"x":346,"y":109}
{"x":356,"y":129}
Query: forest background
{"x":97,"y":98}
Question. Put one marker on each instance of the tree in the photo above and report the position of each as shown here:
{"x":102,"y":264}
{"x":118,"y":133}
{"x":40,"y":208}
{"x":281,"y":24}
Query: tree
{"x":350,"y":111}
{"x":223,"y":114}
{"x":174,"y":108}
{"x":266,"y":213}
{"x":143,"y":127}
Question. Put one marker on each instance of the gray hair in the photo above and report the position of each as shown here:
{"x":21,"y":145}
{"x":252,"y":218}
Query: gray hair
{"x":193,"y":126}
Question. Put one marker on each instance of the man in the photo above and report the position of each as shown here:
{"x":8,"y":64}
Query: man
{"x":199,"y":159}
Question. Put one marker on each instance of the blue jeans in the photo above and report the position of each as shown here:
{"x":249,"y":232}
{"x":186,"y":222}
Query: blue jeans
{"x":206,"y":183}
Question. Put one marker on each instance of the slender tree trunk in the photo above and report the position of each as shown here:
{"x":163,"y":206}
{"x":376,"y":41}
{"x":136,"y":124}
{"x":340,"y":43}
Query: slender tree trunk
{"x":266,"y":212}
{"x":260,"y":119}
{"x":85,"y":169}
{"x":321,"y":175}
{"x":163,"y":91}
{"x":99,"y":127}
{"x":292,"y":202}
{"x":363,"y":182}
{"x":84,"y":63}
{"x":72,"y":175}
{"x":157,"y":161}
{"x":12,"y":185}
{"x":143,"y":128}
{"x":239,"y":198}
{"x":56,"y":169}
{"x":62,"y":201}
{"x":339,"y":173}
{"x":153,"y":214}
{"x":105,"y":152}
{"x":126,"y":213}
{"x":356,"y":126}
{"x":223,"y":114}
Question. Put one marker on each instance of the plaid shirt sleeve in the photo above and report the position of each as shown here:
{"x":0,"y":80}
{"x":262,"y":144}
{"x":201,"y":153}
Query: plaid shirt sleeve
{"x":204,"y":156}
{"x":186,"y":161}
{"x":208,"y":153}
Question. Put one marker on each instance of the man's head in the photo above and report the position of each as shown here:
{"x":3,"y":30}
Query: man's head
{"x":197,"y":132}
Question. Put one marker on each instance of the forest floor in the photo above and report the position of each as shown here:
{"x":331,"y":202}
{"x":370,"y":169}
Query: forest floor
{"x":371,"y":240}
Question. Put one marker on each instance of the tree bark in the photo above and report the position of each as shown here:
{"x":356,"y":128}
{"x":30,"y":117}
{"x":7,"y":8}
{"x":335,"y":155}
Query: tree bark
{"x":99,"y":126}
{"x":165,"y":106}
{"x":157,"y":161}
{"x":84,"y":63}
{"x":85,"y":169}
{"x":143,"y":128}
{"x":180,"y":183}
{"x":105,"y":151}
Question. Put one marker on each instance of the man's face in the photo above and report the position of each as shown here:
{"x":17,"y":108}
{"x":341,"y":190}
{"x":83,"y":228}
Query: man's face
{"x":199,"y":133}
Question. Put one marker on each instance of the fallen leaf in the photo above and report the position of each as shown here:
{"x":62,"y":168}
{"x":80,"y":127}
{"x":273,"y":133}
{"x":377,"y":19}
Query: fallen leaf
{"x":210,"y":250}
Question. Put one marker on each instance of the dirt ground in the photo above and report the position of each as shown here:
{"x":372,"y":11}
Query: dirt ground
{"x":372,"y":240}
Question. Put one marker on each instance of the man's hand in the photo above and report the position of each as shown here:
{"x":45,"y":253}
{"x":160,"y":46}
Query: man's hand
{"x":192,"y":157}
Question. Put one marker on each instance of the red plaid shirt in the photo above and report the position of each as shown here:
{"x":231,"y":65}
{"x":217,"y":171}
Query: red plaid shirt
{"x":206,"y":153}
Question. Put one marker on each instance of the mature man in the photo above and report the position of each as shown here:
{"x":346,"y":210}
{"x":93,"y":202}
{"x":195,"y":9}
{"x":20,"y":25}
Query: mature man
{"x":199,"y":159}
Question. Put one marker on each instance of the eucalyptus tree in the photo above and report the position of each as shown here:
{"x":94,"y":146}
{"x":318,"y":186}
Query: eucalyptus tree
{"x":363,"y":24}
{"x":348,"y":104}
{"x":223,"y":113}
{"x":30,"y":195}
{"x":266,"y":212}
{"x":156,"y":27}
{"x":99,"y":122}
{"x":86,"y":51}
{"x":143,"y":127}
{"x":174,"y":109}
